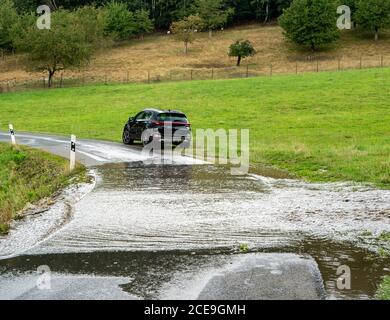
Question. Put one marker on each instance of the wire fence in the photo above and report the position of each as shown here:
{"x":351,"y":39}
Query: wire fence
{"x":63,"y":80}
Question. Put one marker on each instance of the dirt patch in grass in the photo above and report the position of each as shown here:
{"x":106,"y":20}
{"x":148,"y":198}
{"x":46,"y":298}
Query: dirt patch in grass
{"x":27,"y":176}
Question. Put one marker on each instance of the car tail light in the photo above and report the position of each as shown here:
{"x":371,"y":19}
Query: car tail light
{"x":163,"y":123}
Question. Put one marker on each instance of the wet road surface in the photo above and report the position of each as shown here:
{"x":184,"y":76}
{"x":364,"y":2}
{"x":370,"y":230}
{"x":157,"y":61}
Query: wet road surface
{"x":162,"y":229}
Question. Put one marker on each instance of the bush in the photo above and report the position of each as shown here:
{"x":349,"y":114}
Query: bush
{"x":373,"y":15}
{"x":119,"y":21}
{"x":310,"y":23}
{"x":122,"y":24}
{"x":143,"y":24}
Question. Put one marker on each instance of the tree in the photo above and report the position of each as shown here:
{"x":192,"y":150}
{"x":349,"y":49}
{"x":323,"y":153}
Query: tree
{"x":310,"y":23}
{"x":69,"y":44}
{"x":184,"y":30}
{"x":122,"y":24}
{"x":143,"y":24}
{"x":373,"y":15}
{"x":212,"y":13}
{"x":241,"y":49}
{"x":8,"y":19}
{"x":119,"y":21}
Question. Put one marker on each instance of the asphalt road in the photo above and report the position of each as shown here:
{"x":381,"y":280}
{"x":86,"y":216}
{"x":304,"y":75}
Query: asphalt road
{"x":172,"y":229}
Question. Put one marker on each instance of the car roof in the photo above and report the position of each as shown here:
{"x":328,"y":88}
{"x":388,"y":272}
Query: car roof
{"x":163,"y":111}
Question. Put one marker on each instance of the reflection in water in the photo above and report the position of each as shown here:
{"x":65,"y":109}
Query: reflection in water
{"x":149,"y":271}
{"x":174,"y":178}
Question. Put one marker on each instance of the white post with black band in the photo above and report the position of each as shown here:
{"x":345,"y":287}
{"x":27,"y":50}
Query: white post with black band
{"x":12,"y":133}
{"x":72,"y":152}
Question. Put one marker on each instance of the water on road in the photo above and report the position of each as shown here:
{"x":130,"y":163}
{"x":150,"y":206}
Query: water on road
{"x":161,"y":226}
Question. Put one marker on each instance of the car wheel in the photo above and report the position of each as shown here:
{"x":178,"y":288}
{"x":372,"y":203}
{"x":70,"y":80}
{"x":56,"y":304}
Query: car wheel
{"x":126,"y":137}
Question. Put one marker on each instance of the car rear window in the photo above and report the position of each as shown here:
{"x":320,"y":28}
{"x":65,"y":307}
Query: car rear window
{"x":172,"y":117}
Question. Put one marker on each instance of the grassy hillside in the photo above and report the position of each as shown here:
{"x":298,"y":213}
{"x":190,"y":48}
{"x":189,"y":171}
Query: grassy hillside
{"x":26,"y":176}
{"x":323,"y":127}
{"x":161,"y":53}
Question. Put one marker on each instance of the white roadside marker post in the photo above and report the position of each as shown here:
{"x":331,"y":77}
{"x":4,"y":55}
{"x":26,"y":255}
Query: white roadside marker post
{"x":12,"y":133}
{"x":72,"y":152}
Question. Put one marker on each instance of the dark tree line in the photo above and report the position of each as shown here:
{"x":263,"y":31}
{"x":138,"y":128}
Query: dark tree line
{"x":164,"y":12}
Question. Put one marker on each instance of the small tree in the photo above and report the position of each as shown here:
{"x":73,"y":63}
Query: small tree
{"x":212,"y":13}
{"x":8,"y":20}
{"x":241,"y":49}
{"x":373,"y":15}
{"x":184,"y":30}
{"x":69,"y":44}
{"x":143,"y":23}
{"x":310,"y":23}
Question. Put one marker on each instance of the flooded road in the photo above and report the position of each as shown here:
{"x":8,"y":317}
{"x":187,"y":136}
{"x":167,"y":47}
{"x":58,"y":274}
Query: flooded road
{"x":157,"y":228}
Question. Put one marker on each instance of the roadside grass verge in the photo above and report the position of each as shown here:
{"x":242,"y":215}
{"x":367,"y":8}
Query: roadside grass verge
{"x":384,"y":289}
{"x":328,"y":126}
{"x":26,"y":176}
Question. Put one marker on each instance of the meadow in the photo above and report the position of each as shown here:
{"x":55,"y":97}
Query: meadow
{"x":327,"y":126}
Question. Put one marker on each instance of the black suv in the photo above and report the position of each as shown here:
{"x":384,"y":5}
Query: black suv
{"x":165,"y":126}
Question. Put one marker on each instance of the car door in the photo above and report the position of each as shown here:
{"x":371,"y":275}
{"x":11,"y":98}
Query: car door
{"x":141,"y":123}
{"x":135,"y":125}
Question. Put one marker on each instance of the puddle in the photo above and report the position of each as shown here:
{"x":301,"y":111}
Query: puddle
{"x":151,"y":274}
{"x":160,"y":208}
{"x":153,"y":224}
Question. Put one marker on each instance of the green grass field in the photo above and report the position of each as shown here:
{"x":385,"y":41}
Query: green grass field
{"x":330,"y":126}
